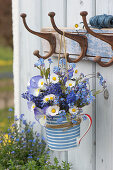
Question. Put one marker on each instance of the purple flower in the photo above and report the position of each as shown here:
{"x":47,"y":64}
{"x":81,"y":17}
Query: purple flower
{"x":13,"y":124}
{"x":34,"y":81}
{"x":38,"y":135}
{"x":38,"y":159}
{"x":1,"y":141}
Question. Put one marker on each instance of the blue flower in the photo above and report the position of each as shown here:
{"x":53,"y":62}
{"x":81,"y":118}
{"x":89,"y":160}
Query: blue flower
{"x":38,"y":159}
{"x":17,"y":140}
{"x":28,"y":130}
{"x":62,"y":61}
{"x":56,"y":69}
{"x":29,"y":157}
{"x":12,"y":137}
{"x":34,"y":140}
{"x":43,"y":138}
{"x":84,"y":117}
{"x":72,"y":65}
{"x":21,"y":116}
{"x":1,"y":141}
{"x":12,"y":152}
{"x":39,"y":63}
{"x":24,"y":122}
{"x":48,"y":152}
{"x":10,"y":109}
{"x":50,"y":60}
{"x":30,"y":140}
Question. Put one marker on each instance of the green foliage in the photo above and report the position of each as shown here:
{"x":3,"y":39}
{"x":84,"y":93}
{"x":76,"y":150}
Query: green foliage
{"x":23,"y":149}
{"x":6,"y":53}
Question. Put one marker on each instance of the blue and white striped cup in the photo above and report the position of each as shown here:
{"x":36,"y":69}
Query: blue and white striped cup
{"x":61,"y":139}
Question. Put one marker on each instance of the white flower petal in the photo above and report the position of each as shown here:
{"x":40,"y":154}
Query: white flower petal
{"x":54,"y":78}
{"x":70,"y":83}
{"x":73,"y":110}
{"x":52,"y":110}
{"x":42,"y":120}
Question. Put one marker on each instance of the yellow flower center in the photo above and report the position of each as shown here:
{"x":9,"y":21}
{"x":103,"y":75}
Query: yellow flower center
{"x":44,"y":117}
{"x":76,"y":71}
{"x":51,"y":98}
{"x":76,"y":25}
{"x":33,"y":106}
{"x":53,"y":110}
{"x":46,"y":99}
{"x":73,"y":110}
{"x":70,"y":84}
{"x":54,"y":78}
{"x":42,"y":83}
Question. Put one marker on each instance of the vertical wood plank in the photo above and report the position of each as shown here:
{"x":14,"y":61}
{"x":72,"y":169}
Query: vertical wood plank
{"x":28,"y":43}
{"x":15,"y":18}
{"x":59,"y":7}
{"x":83,"y":157}
{"x":104,"y":108}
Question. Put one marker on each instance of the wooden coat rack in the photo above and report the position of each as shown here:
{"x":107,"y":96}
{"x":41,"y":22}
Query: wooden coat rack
{"x":79,"y":37}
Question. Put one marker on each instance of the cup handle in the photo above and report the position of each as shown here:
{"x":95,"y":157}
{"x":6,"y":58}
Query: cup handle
{"x":90,"y":123}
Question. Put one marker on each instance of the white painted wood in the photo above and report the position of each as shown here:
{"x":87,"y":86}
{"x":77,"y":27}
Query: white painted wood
{"x":67,"y":14}
{"x":75,"y":7}
{"x":28,"y":43}
{"x":83,"y":157}
{"x":104,"y":108}
{"x":58,"y":7}
{"x":16,"y":45}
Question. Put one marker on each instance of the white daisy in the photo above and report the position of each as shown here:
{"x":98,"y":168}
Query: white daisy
{"x":70,"y":83}
{"x":52,"y":110}
{"x":54,"y":78}
{"x":36,"y":92}
{"x":31,"y":106}
{"x":42,"y":120}
{"x":49,"y":97}
{"x":75,"y":73}
{"x":41,"y":83}
{"x":73,"y":110}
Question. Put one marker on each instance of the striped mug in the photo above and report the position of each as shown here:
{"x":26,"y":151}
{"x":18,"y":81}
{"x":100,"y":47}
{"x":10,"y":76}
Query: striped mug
{"x":61,"y":138}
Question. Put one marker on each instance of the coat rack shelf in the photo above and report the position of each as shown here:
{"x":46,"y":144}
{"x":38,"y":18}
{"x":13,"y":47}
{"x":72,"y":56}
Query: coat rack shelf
{"x":84,"y":44}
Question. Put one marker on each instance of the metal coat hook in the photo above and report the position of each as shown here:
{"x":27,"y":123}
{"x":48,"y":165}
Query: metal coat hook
{"x":80,"y":38}
{"x":107,"y":38}
{"x":47,"y":36}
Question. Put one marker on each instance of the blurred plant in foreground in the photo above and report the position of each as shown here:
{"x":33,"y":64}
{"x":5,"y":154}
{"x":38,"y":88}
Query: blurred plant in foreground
{"x":22,"y":148}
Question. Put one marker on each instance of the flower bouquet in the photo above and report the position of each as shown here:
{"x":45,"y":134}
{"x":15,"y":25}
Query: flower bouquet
{"x":57,"y":98}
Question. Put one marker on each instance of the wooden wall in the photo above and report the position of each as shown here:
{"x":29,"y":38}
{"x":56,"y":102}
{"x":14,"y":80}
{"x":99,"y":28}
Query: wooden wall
{"x":96,"y":149}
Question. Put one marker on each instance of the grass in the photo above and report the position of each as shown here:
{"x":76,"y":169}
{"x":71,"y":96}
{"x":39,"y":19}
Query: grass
{"x":6,"y":58}
{"x":6,"y":53}
{"x":4,"y":121}
{"x":6,"y":85}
